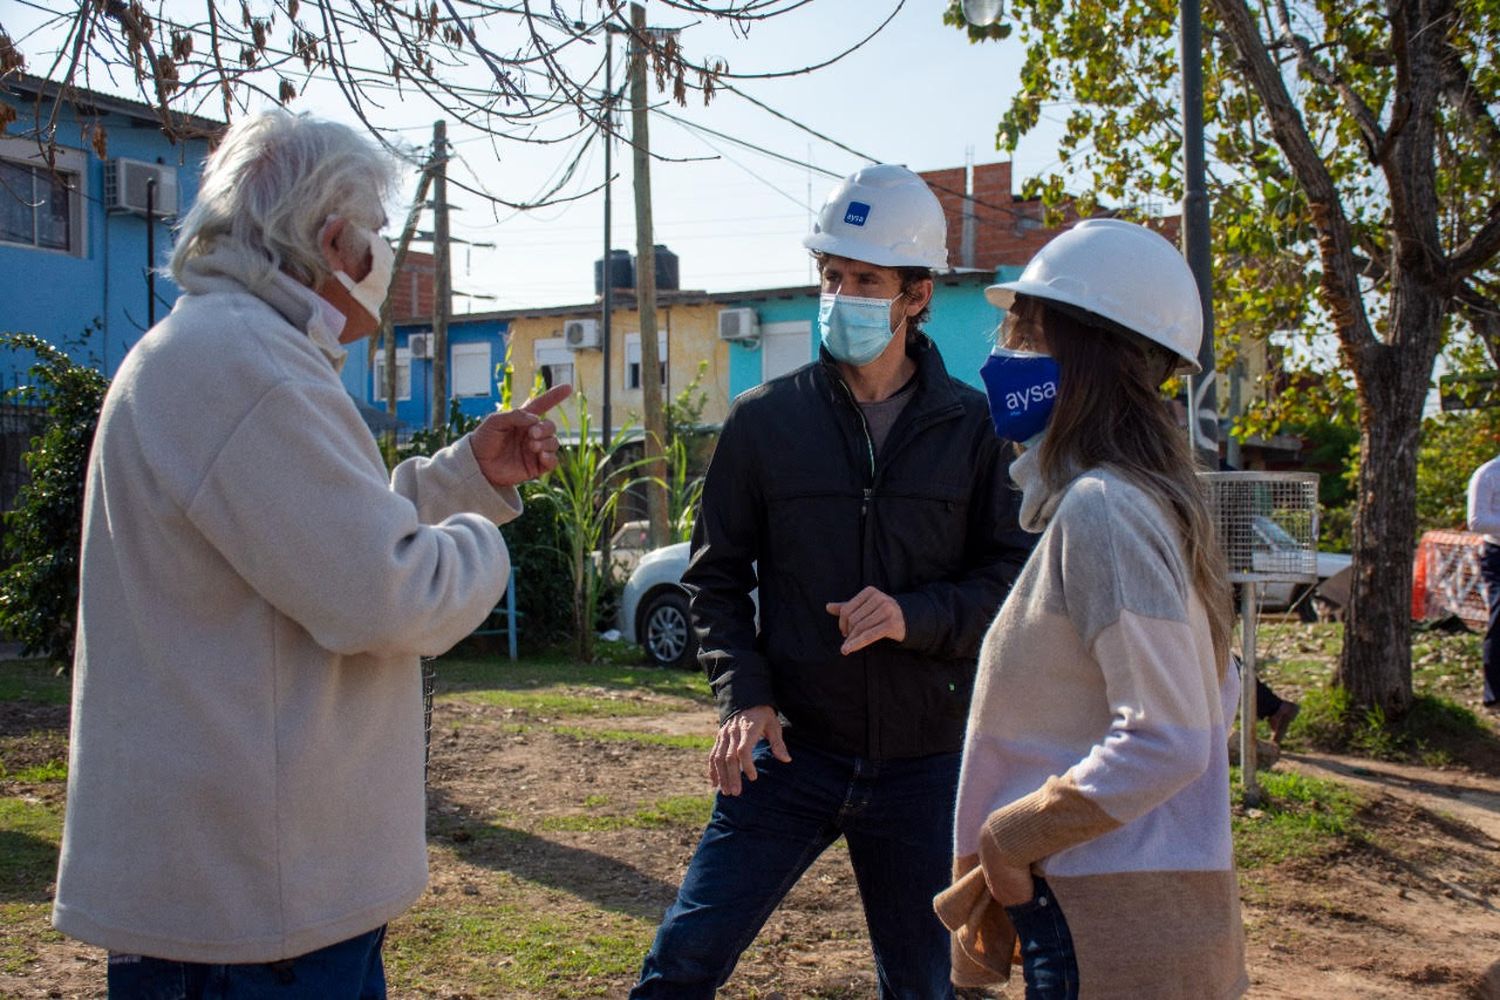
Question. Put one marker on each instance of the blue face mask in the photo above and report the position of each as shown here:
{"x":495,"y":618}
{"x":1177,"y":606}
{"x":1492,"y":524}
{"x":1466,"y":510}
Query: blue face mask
{"x":855,"y":330}
{"x":1022,"y":387}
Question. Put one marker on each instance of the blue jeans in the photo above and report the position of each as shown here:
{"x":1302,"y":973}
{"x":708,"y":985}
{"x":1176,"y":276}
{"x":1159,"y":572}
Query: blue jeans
{"x":349,"y":970}
{"x":1047,"y":957}
{"x":897,"y":816}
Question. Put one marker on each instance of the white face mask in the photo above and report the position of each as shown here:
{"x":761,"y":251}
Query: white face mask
{"x":371,"y":292}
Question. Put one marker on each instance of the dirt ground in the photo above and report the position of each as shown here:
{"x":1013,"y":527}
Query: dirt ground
{"x":1408,"y":911}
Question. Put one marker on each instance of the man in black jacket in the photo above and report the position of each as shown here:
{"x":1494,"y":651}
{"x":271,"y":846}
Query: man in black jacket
{"x":867,"y":497}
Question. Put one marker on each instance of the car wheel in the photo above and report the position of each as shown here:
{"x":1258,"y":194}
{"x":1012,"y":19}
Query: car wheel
{"x":666,"y":631}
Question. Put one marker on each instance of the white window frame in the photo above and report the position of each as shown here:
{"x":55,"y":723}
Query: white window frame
{"x":554,"y":353}
{"x":377,"y":376}
{"x":800,"y":328}
{"x":74,"y":164}
{"x":632,"y":380}
{"x":470,"y":350}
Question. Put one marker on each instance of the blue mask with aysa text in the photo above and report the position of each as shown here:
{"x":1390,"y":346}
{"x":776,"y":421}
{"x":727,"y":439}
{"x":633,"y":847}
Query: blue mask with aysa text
{"x":1022,"y":387}
{"x":855,"y":330}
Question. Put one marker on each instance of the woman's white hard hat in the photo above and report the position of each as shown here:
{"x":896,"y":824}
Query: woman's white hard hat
{"x":884,"y":215}
{"x":1127,"y":274}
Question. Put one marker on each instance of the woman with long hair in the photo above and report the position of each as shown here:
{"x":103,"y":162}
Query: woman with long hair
{"x":1092,"y":831}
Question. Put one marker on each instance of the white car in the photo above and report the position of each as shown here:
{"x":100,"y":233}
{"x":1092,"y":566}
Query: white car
{"x":654,"y":608}
{"x":626,"y":546}
{"x":1271,"y":539}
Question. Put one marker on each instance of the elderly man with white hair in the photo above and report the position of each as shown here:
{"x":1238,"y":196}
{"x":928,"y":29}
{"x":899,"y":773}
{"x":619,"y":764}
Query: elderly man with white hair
{"x":245,"y":800}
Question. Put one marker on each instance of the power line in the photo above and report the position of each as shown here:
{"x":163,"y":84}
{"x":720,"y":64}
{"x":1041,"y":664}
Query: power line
{"x":1013,"y":213}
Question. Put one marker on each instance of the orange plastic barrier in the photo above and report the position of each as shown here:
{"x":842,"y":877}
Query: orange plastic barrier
{"x":1445,"y":578}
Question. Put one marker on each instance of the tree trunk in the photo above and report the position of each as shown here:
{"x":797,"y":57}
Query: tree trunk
{"x":1375,"y":666}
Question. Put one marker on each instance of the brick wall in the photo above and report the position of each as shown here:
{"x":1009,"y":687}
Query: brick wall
{"x":411,"y":289}
{"x":1007,"y":230}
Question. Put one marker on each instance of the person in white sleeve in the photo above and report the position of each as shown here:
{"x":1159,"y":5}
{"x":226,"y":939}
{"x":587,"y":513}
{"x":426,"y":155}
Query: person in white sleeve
{"x":1484,"y":517}
{"x":1093,"y":826}
{"x":245,"y":801}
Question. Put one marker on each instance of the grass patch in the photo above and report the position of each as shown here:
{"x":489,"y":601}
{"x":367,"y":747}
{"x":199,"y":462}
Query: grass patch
{"x":559,"y":670}
{"x":52,"y":770}
{"x":24,"y":926}
{"x":678,"y":741}
{"x":679,"y":810}
{"x":1299,"y":817}
{"x":35,"y":681}
{"x":560,"y":686}
{"x":551,"y":704}
{"x":29,"y":837}
{"x":510,"y":949}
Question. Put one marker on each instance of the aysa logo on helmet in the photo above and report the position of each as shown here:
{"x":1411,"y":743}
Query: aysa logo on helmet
{"x":856,"y":213}
{"x":1020,"y":401}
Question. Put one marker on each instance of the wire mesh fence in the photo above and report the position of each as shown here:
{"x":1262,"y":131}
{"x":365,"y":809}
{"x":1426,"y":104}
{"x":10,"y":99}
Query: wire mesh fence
{"x":1268,"y":524}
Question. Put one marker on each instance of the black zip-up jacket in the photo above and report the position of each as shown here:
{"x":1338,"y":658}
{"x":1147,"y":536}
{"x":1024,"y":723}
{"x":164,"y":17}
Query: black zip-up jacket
{"x":797,"y":502}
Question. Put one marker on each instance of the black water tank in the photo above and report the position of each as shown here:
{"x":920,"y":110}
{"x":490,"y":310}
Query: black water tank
{"x":621,"y":269}
{"x":666,"y":270}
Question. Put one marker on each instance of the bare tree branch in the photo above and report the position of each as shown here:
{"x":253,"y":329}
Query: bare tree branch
{"x":1479,"y":249}
{"x":1308,"y":63}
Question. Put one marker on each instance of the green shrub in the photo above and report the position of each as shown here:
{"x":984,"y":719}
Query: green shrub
{"x":44,"y":532}
{"x":1436,"y":730}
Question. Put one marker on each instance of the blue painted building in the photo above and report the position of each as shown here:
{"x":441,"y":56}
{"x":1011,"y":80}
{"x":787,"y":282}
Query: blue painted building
{"x":74,"y":239}
{"x":476,"y":353}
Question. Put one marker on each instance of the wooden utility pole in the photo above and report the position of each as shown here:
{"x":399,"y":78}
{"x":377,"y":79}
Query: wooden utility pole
{"x":655,"y":415}
{"x":442,"y":282}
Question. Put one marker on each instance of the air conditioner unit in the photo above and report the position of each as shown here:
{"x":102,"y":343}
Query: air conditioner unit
{"x":739,"y":325}
{"x":125,"y":184}
{"x":420,"y":345}
{"x":581,"y":334}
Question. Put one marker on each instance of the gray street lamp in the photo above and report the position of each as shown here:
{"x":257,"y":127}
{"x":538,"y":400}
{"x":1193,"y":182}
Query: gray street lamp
{"x":1195,"y":246}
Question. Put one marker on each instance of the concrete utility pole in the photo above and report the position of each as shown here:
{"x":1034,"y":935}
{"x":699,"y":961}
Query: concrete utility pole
{"x":655,"y":414}
{"x":442,"y":282}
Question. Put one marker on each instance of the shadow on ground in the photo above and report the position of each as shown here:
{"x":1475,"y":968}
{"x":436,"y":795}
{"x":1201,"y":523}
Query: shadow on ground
{"x":597,"y":878}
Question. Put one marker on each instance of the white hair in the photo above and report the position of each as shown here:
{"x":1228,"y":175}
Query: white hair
{"x":270,"y":187}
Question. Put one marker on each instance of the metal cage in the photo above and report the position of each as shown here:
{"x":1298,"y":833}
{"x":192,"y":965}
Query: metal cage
{"x":1268,"y":524}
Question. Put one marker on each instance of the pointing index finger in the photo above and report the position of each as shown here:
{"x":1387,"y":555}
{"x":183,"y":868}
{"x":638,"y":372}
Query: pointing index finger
{"x":547,"y":400}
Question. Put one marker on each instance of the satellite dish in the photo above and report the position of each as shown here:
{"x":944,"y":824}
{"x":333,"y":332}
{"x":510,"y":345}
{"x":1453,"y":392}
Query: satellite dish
{"x":983,"y":13}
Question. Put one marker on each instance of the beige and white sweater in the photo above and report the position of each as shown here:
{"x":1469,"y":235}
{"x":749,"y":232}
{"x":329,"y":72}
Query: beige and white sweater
{"x":1095,"y":754}
{"x":245,"y":778}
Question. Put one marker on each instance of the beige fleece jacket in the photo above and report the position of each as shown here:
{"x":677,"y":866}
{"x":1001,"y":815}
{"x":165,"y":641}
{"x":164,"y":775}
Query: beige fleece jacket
{"x":245,"y":777}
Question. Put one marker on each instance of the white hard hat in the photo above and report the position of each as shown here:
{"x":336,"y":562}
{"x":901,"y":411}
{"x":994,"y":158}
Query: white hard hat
{"x":883,"y":215}
{"x":1127,"y":274}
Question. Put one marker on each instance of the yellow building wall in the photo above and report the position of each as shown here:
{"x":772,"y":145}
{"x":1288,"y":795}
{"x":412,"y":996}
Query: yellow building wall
{"x":692,"y":338}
